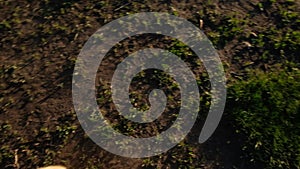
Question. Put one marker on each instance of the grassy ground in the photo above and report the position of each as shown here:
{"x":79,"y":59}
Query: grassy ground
{"x":258,"y":42}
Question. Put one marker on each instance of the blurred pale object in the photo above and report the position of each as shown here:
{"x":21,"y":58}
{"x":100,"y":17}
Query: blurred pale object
{"x":53,"y":167}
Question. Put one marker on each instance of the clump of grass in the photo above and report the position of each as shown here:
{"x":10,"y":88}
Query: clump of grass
{"x":266,"y":108}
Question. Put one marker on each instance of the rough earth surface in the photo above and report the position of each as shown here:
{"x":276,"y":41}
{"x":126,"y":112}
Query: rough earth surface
{"x":39,"y":43}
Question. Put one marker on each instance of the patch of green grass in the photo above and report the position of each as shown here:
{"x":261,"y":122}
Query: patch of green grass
{"x":225,"y":28}
{"x":266,"y":107}
{"x":278,"y":45}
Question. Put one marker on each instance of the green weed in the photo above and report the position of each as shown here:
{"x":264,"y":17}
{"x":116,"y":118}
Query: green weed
{"x":267,"y":109}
